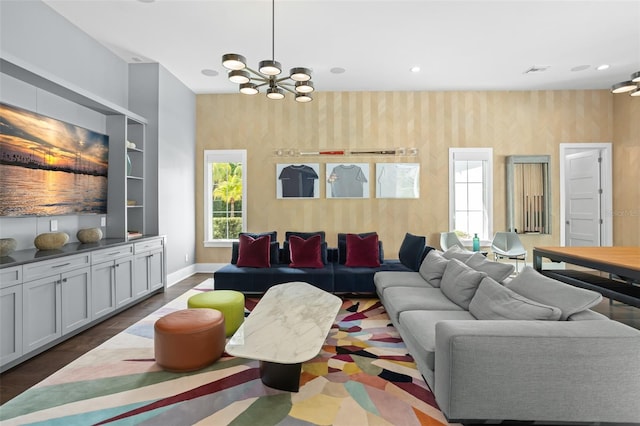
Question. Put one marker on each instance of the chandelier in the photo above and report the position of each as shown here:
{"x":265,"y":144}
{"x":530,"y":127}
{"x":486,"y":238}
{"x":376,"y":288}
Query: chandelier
{"x":633,"y":85}
{"x":298,"y":82}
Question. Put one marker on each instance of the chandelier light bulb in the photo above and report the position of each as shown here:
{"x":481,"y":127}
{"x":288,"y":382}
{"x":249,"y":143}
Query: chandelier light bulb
{"x":300,"y":74}
{"x":239,"y":76}
{"x":304,"y":86}
{"x":275,"y":93}
{"x":633,"y":85}
{"x":248,"y":89}
{"x":303,"y":98}
{"x":625,"y":86}
{"x":269,"y":67}
{"x":233,"y":61}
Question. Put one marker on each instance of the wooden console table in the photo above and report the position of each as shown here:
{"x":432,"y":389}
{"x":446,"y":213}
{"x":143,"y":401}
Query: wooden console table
{"x":622,"y":264}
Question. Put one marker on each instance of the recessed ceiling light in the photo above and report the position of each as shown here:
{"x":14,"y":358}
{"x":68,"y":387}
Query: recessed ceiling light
{"x":415,"y":69}
{"x":209,"y":73}
{"x":580,"y":68}
{"x":337,"y":70}
{"x":603,"y":67}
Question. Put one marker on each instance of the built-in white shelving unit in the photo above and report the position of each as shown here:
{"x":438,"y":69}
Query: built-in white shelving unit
{"x":127,"y":186}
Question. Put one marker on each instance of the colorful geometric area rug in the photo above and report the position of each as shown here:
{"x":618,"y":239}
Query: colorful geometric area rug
{"x":362,"y":376}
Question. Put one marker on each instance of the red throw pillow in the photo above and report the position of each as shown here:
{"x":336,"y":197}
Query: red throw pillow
{"x":362,"y":251}
{"x":305,"y":253}
{"x":254,"y":252}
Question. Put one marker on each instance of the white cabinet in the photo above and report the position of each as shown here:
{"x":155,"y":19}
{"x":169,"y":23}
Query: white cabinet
{"x":149,"y":266}
{"x":46,"y":299}
{"x":56,"y":299}
{"x":112,"y":279}
{"x":10,"y":314}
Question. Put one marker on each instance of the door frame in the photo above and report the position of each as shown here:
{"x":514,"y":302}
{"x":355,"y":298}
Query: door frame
{"x":606,"y":205}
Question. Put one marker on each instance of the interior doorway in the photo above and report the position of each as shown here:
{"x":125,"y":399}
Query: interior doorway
{"x":585,"y":194}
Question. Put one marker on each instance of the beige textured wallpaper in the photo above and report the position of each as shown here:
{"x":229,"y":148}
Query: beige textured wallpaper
{"x":513,"y":123}
{"x":626,"y":171}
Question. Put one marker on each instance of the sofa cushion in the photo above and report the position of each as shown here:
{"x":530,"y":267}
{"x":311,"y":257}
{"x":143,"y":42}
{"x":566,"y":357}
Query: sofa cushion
{"x":354,"y":279}
{"x":286,"y":252}
{"x":305,"y":253}
{"x":532,"y":284}
{"x":496,"y":270}
{"x":362,"y":251}
{"x":304,"y":235}
{"x":386,"y":279}
{"x":460,"y":282}
{"x":418,"y":330}
{"x":433,"y":267}
{"x":493,"y":301}
{"x":285,"y":256}
{"x":411,"y":251}
{"x":456,"y":252}
{"x":588,"y":315}
{"x":342,"y":246}
{"x":274,"y":252}
{"x":259,"y":280}
{"x":254,"y":252}
{"x":401,"y":299}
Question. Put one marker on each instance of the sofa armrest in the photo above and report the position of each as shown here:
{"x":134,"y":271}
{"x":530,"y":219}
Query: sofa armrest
{"x":582,"y":371}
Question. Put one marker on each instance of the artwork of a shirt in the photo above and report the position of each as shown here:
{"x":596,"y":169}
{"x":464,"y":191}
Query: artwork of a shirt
{"x":298,"y":181}
{"x":398,"y":181}
{"x":347,"y":181}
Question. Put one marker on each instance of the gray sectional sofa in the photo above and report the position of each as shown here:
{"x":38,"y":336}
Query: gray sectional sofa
{"x":494,"y":348}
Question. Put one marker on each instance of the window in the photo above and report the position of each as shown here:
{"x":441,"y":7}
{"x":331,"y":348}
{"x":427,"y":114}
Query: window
{"x":470,"y":192}
{"x":225,"y":184}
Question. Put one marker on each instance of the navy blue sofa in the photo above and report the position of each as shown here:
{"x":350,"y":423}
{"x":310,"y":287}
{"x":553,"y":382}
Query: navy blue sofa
{"x":333,"y":277}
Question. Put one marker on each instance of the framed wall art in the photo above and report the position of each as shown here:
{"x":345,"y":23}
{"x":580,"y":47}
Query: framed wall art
{"x":298,"y":180}
{"x":347,"y":180}
{"x":397,"y":180}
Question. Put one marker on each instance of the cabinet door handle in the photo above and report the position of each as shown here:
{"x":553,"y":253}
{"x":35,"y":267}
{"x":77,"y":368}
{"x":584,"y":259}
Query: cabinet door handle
{"x":64,"y":280}
{"x":60,"y":266}
{"x":113,"y":254}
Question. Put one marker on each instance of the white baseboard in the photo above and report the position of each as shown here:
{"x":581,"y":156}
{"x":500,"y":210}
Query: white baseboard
{"x":195,"y":268}
{"x":180,"y":275}
{"x":209,"y":267}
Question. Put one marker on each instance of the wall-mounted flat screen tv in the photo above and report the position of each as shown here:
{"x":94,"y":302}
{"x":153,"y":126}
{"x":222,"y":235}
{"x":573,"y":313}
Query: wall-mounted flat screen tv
{"x":49,"y":167}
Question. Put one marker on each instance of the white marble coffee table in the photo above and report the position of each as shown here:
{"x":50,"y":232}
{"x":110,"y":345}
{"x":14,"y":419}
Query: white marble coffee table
{"x":287,"y":327}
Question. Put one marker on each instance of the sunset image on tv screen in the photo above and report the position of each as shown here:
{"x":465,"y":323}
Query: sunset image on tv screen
{"x":49,"y":167}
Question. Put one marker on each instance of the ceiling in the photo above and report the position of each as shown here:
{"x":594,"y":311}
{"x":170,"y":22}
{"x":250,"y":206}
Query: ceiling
{"x":458,"y":45}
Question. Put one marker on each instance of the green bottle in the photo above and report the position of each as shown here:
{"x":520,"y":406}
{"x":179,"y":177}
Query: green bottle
{"x":476,"y":242}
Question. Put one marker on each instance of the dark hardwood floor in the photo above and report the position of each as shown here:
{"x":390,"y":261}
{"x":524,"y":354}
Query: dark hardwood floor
{"x":23,"y":376}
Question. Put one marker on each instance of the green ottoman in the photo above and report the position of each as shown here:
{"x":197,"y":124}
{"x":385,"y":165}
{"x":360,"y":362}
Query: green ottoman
{"x":229,"y":302}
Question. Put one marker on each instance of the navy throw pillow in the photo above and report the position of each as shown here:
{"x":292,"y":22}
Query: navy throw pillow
{"x":411,"y":251}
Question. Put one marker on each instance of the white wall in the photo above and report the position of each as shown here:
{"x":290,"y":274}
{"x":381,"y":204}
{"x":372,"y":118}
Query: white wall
{"x":170,"y":108}
{"x":176,"y":166}
{"x":35,"y":33}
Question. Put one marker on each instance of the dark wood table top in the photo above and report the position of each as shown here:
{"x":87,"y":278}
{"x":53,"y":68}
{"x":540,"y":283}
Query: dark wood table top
{"x":603,"y":258}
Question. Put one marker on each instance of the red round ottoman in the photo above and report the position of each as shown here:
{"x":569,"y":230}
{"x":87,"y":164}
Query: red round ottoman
{"x":189,"y":339}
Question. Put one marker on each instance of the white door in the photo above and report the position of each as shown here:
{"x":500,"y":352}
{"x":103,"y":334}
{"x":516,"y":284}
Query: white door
{"x":583,"y":224}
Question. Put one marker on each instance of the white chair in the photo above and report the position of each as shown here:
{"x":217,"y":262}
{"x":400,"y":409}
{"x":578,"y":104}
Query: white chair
{"x":507,"y":245}
{"x":450,"y":239}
